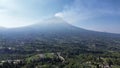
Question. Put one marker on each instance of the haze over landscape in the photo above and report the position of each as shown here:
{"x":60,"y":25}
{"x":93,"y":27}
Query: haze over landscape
{"x":59,"y":34}
{"x":98,"y":15}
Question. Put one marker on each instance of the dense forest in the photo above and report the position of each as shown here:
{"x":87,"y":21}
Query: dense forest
{"x":74,"y":52}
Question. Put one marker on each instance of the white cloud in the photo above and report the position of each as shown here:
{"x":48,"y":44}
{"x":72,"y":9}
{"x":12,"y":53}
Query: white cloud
{"x":14,"y":13}
{"x":93,"y":15}
{"x":59,"y":15}
{"x":82,"y":10}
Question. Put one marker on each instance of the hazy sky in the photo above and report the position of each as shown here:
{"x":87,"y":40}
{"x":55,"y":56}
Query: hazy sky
{"x":101,"y":15}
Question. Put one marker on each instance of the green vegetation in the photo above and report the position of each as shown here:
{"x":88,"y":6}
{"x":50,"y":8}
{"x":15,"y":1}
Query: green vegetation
{"x":61,"y":52}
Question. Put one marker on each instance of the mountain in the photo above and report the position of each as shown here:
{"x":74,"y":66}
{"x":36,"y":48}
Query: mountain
{"x":55,"y":31}
{"x":2,"y":29}
{"x":50,"y":27}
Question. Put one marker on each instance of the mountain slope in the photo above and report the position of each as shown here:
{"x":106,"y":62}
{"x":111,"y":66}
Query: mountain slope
{"x":49,"y":27}
{"x":52,"y":26}
{"x":55,"y":31}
